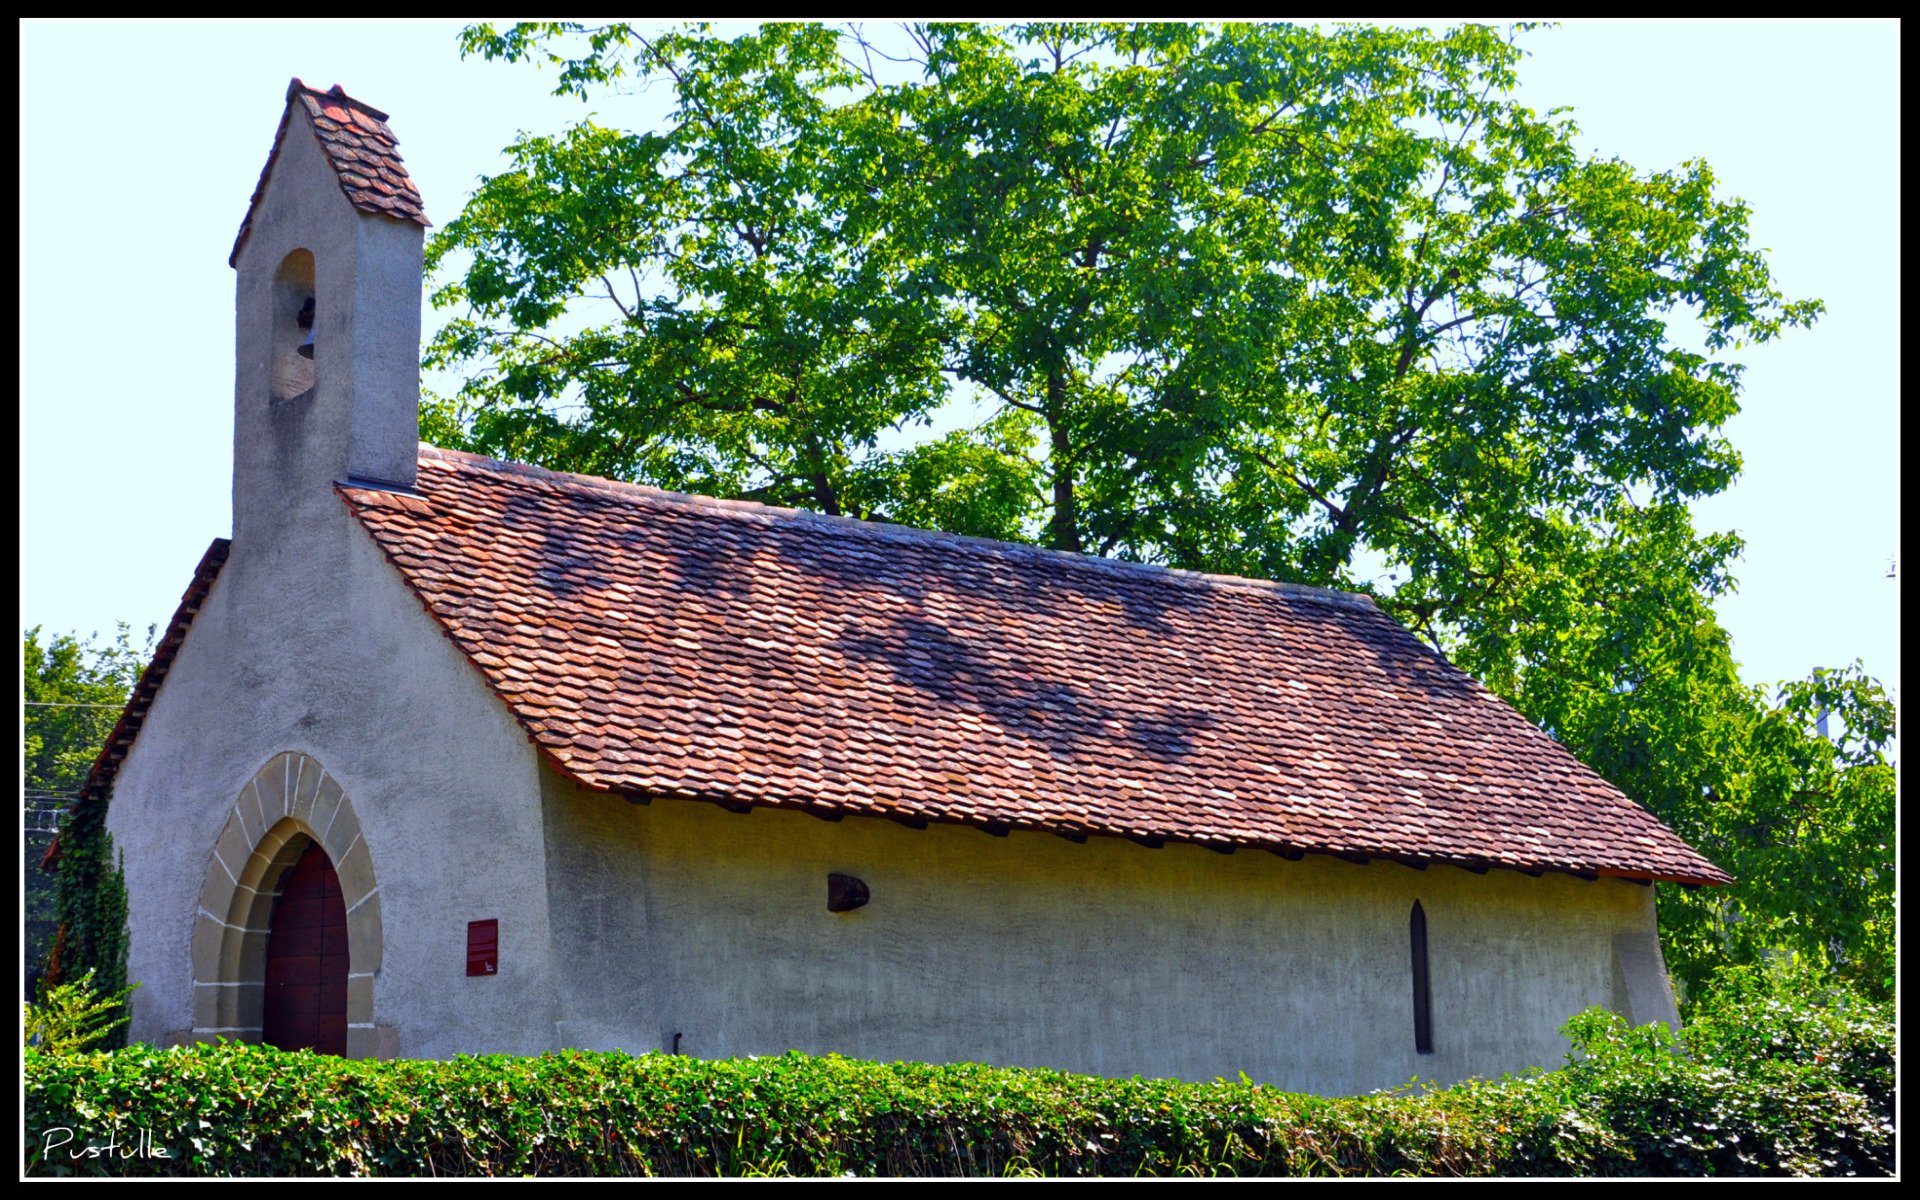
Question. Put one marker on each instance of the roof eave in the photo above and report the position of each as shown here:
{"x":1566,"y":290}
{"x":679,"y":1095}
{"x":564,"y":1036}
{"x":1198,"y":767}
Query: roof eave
{"x":1151,"y":838}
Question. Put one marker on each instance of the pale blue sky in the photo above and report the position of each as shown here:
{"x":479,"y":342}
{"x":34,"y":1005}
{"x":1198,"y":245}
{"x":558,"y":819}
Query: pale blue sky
{"x":141,"y":143}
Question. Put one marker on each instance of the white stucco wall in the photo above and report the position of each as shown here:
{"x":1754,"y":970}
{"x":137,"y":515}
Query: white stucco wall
{"x":1107,"y":957}
{"x":310,"y":642}
{"x":328,"y":654}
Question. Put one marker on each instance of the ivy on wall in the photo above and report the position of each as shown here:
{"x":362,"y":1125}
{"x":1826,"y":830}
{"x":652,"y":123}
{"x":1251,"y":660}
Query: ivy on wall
{"x":90,"y":906}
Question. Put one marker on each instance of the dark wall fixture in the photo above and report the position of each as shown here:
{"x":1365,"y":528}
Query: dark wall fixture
{"x":845,"y":893}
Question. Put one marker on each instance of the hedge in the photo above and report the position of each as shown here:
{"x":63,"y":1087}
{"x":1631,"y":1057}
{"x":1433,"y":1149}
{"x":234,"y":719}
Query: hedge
{"x":1761,"y":1085}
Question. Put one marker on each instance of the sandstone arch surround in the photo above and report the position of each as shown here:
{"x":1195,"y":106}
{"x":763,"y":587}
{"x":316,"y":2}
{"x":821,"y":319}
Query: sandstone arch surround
{"x":289,"y":804}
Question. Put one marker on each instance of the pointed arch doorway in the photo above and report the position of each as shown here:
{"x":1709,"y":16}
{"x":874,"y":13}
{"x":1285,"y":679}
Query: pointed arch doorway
{"x":291,"y":806}
{"x":305,"y":1005}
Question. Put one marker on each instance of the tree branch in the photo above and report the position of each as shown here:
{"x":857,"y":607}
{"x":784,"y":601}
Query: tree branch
{"x":1334,"y":511}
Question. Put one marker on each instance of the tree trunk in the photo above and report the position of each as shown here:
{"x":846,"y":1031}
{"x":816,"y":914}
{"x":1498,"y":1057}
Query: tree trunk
{"x":1065,"y":529}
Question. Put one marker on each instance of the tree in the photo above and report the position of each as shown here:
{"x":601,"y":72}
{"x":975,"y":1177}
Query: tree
{"x":1323,"y":306}
{"x":765,"y":328}
{"x":1806,"y":823}
{"x":1251,"y":297}
{"x":75,"y":691}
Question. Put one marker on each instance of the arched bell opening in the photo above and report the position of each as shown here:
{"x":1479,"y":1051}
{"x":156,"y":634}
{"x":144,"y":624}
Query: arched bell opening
{"x":295,"y":318}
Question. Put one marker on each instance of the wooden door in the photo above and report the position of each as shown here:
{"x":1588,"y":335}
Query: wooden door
{"x":306,"y":1001}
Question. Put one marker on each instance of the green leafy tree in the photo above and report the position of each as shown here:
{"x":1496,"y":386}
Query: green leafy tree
{"x":1806,"y":823}
{"x":1321,"y":305}
{"x":1252,"y":297}
{"x":764,"y":327}
{"x":74,"y":691}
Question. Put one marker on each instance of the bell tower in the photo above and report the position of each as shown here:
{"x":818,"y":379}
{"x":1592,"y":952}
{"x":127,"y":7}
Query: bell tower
{"x":327,"y":317}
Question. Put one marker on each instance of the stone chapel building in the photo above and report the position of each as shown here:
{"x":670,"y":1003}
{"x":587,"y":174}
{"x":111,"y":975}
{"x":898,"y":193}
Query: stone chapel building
{"x":442,"y":755}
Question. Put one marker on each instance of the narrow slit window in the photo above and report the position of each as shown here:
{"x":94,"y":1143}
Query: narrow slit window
{"x":1422,"y":994}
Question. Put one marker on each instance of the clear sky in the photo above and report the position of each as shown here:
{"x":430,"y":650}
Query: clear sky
{"x":141,"y":143}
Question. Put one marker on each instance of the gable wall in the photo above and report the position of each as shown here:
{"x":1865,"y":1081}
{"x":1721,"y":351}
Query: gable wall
{"x":315,"y":645}
{"x":1030,"y":950}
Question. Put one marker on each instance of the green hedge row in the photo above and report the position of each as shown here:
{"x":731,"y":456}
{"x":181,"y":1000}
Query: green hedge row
{"x":1759,"y":1085}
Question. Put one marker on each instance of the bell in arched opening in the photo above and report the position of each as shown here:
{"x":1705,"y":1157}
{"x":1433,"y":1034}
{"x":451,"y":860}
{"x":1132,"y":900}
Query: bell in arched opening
{"x":305,"y":321}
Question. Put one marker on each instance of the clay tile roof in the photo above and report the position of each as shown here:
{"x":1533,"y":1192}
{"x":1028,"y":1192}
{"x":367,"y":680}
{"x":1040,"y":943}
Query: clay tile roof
{"x":654,"y":644}
{"x":363,"y":151}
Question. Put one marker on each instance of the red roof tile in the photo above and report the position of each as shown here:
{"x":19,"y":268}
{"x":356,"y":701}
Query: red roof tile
{"x":662,"y":645}
{"x":363,"y":151}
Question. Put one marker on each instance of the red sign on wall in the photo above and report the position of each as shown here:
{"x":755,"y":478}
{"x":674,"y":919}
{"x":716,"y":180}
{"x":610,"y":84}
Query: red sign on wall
{"x":483,"y":947}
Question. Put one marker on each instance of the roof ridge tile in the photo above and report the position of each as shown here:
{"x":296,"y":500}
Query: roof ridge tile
{"x":358,"y":143}
{"x":889,"y":531}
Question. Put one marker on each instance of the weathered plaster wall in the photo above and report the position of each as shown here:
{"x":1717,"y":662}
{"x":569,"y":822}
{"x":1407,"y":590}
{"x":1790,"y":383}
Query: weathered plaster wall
{"x":327,"y":654}
{"x":1106,"y":957}
{"x":310,"y":642}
